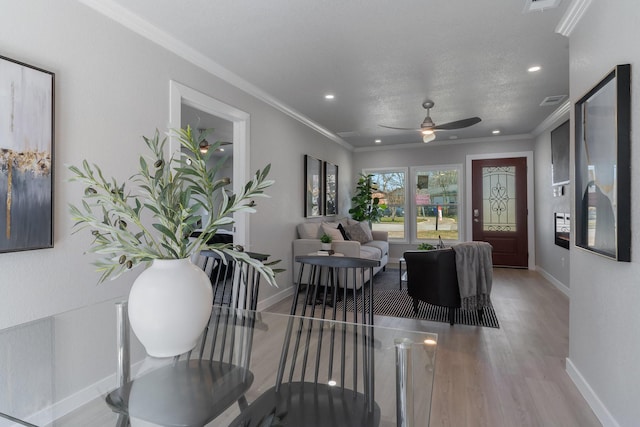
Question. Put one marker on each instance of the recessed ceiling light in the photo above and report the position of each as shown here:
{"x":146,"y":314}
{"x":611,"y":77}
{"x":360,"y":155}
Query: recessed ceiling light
{"x":534,"y":68}
{"x":329,"y":96}
{"x":378,"y":141}
{"x":495,"y":132}
{"x":453,"y":137}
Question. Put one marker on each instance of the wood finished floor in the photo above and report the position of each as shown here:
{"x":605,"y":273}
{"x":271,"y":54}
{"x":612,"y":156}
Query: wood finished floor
{"x":512,"y":376}
{"x":509,"y":377}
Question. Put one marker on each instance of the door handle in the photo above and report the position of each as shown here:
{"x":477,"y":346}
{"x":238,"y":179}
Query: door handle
{"x":476,"y":213}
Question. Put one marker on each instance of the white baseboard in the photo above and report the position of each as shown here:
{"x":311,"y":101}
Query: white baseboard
{"x":70,"y":403}
{"x":274,"y":299}
{"x":555,"y":282}
{"x":590,"y":396}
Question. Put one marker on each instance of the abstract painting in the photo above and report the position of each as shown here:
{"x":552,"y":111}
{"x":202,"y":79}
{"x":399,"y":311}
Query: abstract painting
{"x":26,"y":156}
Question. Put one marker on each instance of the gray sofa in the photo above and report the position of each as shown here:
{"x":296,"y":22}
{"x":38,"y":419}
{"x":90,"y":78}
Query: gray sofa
{"x":308,"y":242}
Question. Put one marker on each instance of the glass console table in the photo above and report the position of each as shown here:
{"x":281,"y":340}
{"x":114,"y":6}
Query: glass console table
{"x":57,"y":371}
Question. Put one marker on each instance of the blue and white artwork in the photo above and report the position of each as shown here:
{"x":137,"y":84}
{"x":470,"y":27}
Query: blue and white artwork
{"x":26,"y":156}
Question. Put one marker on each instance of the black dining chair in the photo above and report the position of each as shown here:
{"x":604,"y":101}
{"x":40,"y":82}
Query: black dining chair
{"x":194,"y":388}
{"x":325,"y":376}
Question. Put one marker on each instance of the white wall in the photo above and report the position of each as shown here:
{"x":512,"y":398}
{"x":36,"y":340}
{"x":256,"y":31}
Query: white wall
{"x":552,"y":261}
{"x":604,"y":317}
{"x":112,"y":87}
{"x":442,"y":153}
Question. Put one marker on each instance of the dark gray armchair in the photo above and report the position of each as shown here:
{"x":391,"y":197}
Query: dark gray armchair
{"x":432,"y":278}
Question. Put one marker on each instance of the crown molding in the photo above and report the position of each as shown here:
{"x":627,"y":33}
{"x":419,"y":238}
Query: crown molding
{"x":559,"y":114}
{"x":572,"y":16}
{"x":444,"y":142}
{"x":138,"y":25}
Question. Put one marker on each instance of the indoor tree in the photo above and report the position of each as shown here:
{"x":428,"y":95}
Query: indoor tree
{"x":364,"y":206}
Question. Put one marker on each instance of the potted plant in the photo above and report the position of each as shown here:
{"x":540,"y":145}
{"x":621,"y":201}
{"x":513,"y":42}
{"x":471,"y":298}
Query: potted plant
{"x":365,"y":207}
{"x":153,"y":222}
{"x":426,"y":247}
{"x":325,"y":242}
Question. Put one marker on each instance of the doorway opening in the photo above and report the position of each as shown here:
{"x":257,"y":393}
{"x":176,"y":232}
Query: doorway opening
{"x":188,"y":106}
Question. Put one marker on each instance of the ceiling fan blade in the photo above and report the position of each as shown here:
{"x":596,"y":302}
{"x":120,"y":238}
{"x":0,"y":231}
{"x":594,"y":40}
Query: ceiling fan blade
{"x":459,"y":124}
{"x":392,"y":127}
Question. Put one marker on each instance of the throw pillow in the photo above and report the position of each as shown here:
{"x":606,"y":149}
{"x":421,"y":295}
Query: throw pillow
{"x":355,"y":232}
{"x":335,"y":234}
{"x":367,"y":230}
{"x":309,"y":230}
{"x":343,"y":232}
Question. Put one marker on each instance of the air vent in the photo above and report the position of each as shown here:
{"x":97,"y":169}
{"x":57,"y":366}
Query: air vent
{"x":552,"y":100}
{"x":539,"y":5}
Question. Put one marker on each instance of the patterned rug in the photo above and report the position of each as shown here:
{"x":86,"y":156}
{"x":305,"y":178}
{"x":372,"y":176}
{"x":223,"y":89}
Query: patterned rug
{"x":389,"y":300}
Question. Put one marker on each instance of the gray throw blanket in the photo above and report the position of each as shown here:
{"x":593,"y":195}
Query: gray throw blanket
{"x":475,"y":274}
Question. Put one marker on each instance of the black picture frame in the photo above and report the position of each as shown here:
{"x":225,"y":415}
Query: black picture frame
{"x":330,"y":189}
{"x":313,"y":187}
{"x":560,"y":141}
{"x":27,"y":133}
{"x":602,"y":167}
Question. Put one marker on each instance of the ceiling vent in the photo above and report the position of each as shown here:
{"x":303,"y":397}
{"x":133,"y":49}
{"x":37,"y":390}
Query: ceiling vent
{"x":552,"y":100}
{"x":539,"y":5}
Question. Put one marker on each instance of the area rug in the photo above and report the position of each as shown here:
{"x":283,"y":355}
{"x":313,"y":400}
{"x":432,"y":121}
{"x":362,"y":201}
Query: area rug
{"x":397,"y":303}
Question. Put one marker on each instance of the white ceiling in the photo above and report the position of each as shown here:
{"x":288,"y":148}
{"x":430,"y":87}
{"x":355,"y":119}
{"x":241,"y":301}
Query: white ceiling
{"x":381,"y":59}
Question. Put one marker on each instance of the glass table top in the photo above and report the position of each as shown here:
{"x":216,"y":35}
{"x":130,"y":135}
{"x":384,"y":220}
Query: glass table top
{"x":62,"y":370}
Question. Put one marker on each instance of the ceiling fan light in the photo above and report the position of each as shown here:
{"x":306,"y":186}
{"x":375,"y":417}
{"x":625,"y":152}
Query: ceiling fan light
{"x":428,"y":137}
{"x":427,"y":132}
{"x":204,"y":147}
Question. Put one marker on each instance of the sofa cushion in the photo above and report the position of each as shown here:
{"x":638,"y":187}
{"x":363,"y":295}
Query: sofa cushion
{"x":369,"y":252}
{"x":357,"y":233}
{"x":332,"y":231}
{"x":310,"y":230}
{"x":381,"y":246}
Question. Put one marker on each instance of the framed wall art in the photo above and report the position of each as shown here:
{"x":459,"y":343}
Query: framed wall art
{"x":26,"y":156}
{"x":560,"y":154}
{"x":330,"y":189}
{"x":313,"y":186}
{"x":602,"y":167}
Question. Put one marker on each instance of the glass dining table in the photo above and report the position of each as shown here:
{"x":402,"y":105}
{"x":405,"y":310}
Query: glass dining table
{"x":85,"y":368}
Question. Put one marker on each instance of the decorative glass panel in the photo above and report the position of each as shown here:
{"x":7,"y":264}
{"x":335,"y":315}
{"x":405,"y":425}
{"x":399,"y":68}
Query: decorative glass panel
{"x":499,"y":198}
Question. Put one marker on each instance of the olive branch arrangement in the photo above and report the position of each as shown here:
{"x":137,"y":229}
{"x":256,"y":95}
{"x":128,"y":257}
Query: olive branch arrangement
{"x":158,"y":220}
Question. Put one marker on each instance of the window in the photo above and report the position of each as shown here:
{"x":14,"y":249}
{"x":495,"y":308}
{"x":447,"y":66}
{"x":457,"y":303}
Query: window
{"x":392,"y":194}
{"x":436,"y":198}
{"x":424,"y":209}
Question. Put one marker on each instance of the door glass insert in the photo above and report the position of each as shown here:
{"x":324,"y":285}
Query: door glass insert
{"x":499,"y":198}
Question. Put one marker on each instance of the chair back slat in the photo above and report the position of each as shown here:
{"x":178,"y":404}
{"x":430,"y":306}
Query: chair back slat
{"x":235,"y":286}
{"x":313,"y":349}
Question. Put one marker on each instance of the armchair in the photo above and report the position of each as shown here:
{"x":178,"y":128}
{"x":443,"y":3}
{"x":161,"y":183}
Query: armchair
{"x":432,"y":278}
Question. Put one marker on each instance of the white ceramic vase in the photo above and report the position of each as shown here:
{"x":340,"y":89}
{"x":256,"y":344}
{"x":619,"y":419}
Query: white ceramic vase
{"x":325,"y":246}
{"x":169,"y":306}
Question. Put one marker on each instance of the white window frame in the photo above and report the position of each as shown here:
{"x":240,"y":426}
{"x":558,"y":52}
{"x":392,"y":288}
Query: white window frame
{"x":413,"y":173}
{"x":407,"y":182}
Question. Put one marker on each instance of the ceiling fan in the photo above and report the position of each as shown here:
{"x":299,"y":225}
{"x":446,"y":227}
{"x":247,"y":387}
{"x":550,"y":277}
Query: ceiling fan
{"x":204,"y":144}
{"x":428,"y":127}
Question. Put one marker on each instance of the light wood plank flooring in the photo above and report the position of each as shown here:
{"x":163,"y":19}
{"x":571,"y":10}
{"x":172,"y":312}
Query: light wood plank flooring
{"x":512,"y":376}
{"x":508,"y":377}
